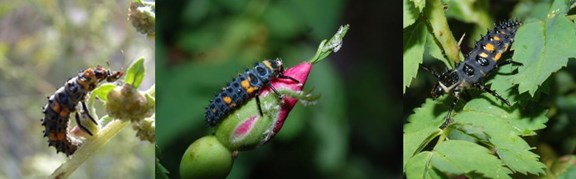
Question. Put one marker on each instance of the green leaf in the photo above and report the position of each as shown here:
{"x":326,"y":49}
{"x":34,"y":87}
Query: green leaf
{"x":456,"y":157}
{"x":161,"y":171}
{"x":462,"y":157}
{"x":422,"y":127}
{"x":101,"y":92}
{"x":431,"y":114}
{"x":410,"y":13}
{"x":543,"y":46}
{"x":420,"y":167}
{"x":505,"y":128}
{"x":415,"y":141}
{"x":419,"y":4}
{"x":435,"y":50}
{"x":135,"y":73}
{"x":414,"y":41}
{"x":469,"y":11}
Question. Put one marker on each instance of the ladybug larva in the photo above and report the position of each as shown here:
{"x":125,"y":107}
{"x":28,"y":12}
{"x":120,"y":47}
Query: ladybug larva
{"x":64,"y":102}
{"x":244,"y":87}
{"x":480,"y":62}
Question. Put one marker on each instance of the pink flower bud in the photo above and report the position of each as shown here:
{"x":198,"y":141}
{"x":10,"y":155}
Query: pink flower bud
{"x":299,"y":72}
{"x":245,"y":129}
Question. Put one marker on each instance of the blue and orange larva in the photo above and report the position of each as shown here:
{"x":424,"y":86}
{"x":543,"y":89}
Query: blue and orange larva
{"x":244,"y":87}
{"x":64,"y":102}
{"x":480,"y":62}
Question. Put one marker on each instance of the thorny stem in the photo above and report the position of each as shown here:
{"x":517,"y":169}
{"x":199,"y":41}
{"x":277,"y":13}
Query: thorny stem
{"x":89,"y":148}
{"x":438,"y":24}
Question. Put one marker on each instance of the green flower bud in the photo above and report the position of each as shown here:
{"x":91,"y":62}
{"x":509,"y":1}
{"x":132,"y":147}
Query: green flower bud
{"x":127,"y":103}
{"x":206,"y":158}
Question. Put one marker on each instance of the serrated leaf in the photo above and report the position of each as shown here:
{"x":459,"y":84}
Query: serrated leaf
{"x":543,"y":46}
{"x":415,"y":141}
{"x":414,"y":41}
{"x":431,"y":114}
{"x":420,"y":167}
{"x":419,"y":4}
{"x":135,"y":73}
{"x":502,"y":84}
{"x":505,"y":128}
{"x":410,"y":13}
{"x":421,"y":128}
{"x":465,"y":132}
{"x":462,"y":157}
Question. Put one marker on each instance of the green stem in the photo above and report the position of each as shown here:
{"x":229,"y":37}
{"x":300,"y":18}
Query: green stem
{"x":434,"y":13}
{"x":89,"y":148}
{"x":443,"y":136}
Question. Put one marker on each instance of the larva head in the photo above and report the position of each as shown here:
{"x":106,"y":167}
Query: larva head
{"x":447,"y":82}
{"x":437,"y":90}
{"x":275,"y":66}
{"x":102,"y":73}
{"x":114,"y":76}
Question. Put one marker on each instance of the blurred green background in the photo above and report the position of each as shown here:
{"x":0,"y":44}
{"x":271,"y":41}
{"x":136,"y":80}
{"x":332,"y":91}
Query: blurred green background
{"x":354,"y":131}
{"x":42,"y":44}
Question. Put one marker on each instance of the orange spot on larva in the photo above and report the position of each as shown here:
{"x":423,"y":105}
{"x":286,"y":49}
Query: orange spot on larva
{"x":245,"y":84}
{"x":61,"y":136}
{"x":227,"y":99}
{"x":55,"y":106}
{"x":52,"y":136}
{"x":251,"y":90}
{"x":483,"y":55}
{"x":497,"y":56}
{"x":64,"y":112}
{"x":496,"y":38}
{"x":489,"y":47}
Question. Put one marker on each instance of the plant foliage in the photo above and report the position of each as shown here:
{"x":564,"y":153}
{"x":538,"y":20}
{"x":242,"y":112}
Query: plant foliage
{"x":486,"y":138}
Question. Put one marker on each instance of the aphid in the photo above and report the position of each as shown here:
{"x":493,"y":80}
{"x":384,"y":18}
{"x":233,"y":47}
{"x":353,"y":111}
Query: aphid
{"x":244,"y":87}
{"x":480,"y":62}
{"x":64,"y":102}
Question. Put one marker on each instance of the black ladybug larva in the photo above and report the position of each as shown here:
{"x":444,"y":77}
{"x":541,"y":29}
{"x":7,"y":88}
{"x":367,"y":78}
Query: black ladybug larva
{"x":480,"y":62}
{"x":64,"y":102}
{"x":244,"y":87}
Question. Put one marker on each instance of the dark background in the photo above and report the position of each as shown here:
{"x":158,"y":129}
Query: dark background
{"x":355,"y":129}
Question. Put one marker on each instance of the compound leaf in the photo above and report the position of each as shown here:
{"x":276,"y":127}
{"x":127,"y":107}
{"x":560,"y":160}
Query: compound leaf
{"x":423,"y":126}
{"x":543,"y":46}
{"x":462,"y":157}
{"x":505,"y":128}
{"x":410,"y":13}
{"x":414,"y":41}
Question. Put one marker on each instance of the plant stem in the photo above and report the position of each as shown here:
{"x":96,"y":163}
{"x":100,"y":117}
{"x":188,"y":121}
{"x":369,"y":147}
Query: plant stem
{"x":438,"y":24}
{"x":89,"y":148}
